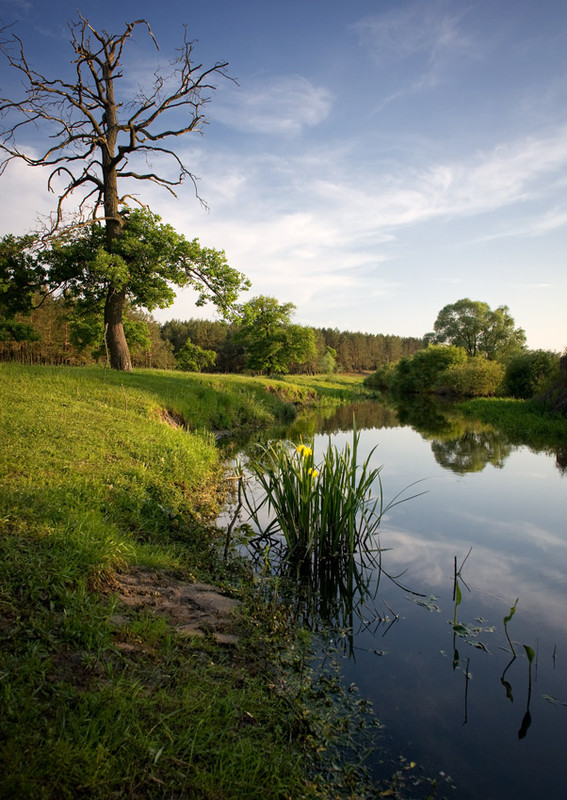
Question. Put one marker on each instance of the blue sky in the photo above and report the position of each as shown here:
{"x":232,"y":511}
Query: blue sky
{"x":377,"y":160}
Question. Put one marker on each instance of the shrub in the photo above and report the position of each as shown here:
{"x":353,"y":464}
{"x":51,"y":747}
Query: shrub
{"x":531,"y":373}
{"x":420,"y":374}
{"x":477,"y":377}
{"x":192,"y":358}
{"x":383,"y":378}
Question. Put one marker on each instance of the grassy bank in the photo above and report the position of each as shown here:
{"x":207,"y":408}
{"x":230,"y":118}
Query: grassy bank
{"x":516,"y":417}
{"x":106,"y":475}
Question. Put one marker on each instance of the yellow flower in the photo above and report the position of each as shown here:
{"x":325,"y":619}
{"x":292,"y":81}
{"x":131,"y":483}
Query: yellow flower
{"x":312,"y":472}
{"x":303,"y":450}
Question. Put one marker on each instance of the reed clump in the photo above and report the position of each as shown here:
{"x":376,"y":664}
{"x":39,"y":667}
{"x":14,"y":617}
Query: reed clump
{"x":326,"y":510}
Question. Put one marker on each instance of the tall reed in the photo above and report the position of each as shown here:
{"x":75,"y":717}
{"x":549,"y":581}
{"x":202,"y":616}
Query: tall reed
{"x":330,"y":510}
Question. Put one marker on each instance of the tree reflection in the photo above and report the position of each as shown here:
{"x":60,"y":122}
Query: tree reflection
{"x":458,"y":443}
{"x":472,"y":451}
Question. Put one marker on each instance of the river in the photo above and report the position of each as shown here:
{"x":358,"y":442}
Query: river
{"x":465,"y":662}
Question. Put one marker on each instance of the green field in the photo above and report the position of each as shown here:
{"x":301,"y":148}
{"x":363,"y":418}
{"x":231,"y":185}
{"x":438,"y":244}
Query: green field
{"x":106,"y":475}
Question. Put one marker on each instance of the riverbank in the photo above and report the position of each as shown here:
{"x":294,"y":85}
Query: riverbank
{"x":123,"y":673}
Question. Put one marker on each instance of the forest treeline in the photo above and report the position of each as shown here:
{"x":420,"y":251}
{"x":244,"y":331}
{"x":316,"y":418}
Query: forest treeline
{"x":58,"y":336}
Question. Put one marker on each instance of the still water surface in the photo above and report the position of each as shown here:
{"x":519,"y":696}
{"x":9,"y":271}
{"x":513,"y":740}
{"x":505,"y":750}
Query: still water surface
{"x":457,"y":702}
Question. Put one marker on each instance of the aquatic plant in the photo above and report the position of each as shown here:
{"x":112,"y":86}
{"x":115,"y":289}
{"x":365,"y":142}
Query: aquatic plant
{"x":328,"y":510}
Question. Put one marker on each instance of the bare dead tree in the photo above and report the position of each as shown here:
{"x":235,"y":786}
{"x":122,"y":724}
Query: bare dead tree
{"x":94,"y":136}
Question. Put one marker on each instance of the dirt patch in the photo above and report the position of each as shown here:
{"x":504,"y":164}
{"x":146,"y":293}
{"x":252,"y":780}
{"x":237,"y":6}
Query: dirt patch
{"x":173,"y":418}
{"x":194,"y":609}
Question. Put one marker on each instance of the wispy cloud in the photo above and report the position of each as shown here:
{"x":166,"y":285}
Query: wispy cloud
{"x":284,"y":106}
{"x":422,"y":29}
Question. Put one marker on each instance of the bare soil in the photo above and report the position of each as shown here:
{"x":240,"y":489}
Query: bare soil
{"x":194,"y":609}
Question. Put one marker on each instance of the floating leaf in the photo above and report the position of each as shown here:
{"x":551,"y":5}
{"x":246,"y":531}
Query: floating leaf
{"x":530,"y":652}
{"x":553,"y":700}
{"x":479,"y":646}
{"x":429,"y":603}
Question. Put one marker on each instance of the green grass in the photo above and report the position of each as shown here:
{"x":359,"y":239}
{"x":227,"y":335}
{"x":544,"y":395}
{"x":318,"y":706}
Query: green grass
{"x":93,"y":481}
{"x":523,"y":418}
{"x":340,"y":386}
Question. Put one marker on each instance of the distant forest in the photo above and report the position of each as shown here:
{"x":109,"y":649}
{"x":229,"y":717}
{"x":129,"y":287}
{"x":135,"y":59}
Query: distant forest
{"x":59,"y":335}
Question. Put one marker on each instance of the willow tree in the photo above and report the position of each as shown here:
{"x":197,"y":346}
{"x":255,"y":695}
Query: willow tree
{"x":99,"y":138}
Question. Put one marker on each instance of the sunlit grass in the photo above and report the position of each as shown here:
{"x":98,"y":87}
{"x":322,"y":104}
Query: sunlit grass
{"x":93,"y":481}
{"x":516,"y":416}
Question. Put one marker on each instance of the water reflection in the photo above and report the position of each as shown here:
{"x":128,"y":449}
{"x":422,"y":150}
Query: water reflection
{"x":460,"y":683}
{"x":472,"y":451}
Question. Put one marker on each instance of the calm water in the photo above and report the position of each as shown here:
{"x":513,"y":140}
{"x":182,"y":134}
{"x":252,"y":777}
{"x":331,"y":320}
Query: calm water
{"x":459,"y":704}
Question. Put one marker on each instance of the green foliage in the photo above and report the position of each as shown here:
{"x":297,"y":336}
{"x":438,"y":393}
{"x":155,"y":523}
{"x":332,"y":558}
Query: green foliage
{"x":325,"y":510}
{"x":328,"y":361}
{"x":20,"y":279}
{"x":474,"y":326}
{"x":522,"y":420}
{"x":439,"y":369}
{"x":271,"y":342}
{"x":193,"y":358}
{"x":383,"y":379}
{"x":476,"y":377}
{"x":422,"y":373}
{"x":531,"y":373}
{"x":147,"y":260}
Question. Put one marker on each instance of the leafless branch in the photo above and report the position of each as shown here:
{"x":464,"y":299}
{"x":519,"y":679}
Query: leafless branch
{"x":93,"y":132}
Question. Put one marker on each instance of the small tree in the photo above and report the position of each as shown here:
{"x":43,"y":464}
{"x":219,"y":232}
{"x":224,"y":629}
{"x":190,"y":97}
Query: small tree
{"x":271,"y":342}
{"x":477,"y":377}
{"x":421,"y":372}
{"x":474,"y":326}
{"x":96,"y":135}
{"x":192,"y":358}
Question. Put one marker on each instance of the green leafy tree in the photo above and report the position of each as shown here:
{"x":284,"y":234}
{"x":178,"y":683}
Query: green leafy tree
{"x":271,"y":342}
{"x":101,"y":131}
{"x":144,"y":263}
{"x":20,"y":280}
{"x":328,"y":361}
{"x":192,"y":358}
{"x":474,"y":326}
{"x":422,"y":372}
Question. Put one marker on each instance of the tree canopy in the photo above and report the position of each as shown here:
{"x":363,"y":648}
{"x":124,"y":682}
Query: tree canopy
{"x":271,"y":342}
{"x":19,"y":280}
{"x":144,"y":263}
{"x":474,"y":326}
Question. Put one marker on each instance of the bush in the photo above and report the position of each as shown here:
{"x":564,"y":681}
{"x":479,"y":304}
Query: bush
{"x":531,"y":373}
{"x":383,"y":378}
{"x":477,"y":377}
{"x":420,"y":374}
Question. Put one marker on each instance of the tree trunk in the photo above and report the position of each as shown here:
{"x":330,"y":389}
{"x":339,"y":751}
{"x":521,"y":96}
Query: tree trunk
{"x":117,"y":346}
{"x":114,"y":331}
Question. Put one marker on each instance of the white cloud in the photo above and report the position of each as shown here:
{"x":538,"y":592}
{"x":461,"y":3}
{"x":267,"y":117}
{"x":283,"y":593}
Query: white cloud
{"x":283,"y":106}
